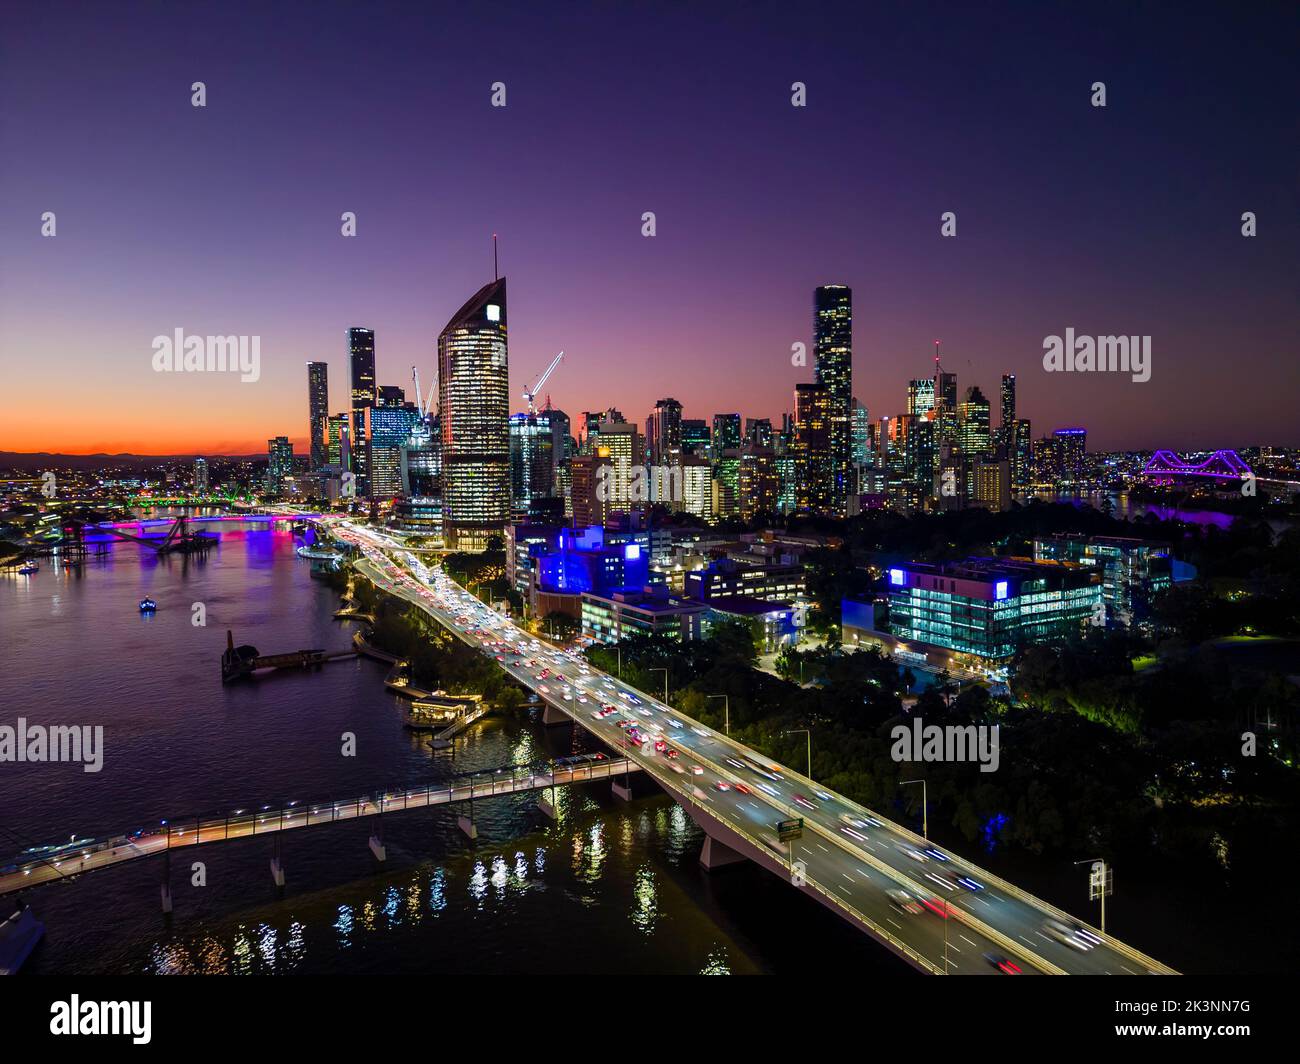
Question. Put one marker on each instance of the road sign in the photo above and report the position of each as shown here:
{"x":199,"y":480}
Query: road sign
{"x":1101,"y":881}
{"x":788,"y":830}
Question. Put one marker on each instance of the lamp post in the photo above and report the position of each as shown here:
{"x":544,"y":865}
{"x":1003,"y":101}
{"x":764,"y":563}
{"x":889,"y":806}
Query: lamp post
{"x":925,"y":813}
{"x":808,"y":733}
{"x":726,"y":711}
{"x":1099,"y":884}
{"x":665,"y":672}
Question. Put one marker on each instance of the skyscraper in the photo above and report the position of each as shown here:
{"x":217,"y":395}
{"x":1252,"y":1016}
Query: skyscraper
{"x":1003,"y":438}
{"x":812,"y":444}
{"x":201,"y":476}
{"x":279,"y":464}
{"x":532,"y":461}
{"x":665,"y":443}
{"x":726,"y":434}
{"x":833,"y":348}
{"x":920,"y":395}
{"x":390,"y":431}
{"x":336,"y":430}
{"x":361,"y":351}
{"x":318,"y":402}
{"x":945,"y":403}
{"x":973,"y":433}
{"x":474,"y":400}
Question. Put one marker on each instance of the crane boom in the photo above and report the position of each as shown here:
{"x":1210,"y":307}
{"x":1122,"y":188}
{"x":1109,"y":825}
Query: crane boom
{"x":531,"y":393}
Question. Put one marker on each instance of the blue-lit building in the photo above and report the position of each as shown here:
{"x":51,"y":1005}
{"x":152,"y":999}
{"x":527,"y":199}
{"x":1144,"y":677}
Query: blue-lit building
{"x":1133,"y":571}
{"x":977,"y":613}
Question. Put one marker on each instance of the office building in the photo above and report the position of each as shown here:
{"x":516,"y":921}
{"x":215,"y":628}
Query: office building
{"x":983,"y":610}
{"x":200,"y":476}
{"x":812,"y":448}
{"x":474,"y":409}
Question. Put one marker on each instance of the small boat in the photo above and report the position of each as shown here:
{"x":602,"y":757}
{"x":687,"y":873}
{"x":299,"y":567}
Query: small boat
{"x":147,"y":605}
{"x":28,"y":569}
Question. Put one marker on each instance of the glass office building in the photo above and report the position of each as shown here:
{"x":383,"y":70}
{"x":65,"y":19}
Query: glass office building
{"x":988,"y":608}
{"x":474,"y":404}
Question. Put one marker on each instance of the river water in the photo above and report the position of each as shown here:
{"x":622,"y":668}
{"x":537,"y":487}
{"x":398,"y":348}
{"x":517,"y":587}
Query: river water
{"x":605,"y":888}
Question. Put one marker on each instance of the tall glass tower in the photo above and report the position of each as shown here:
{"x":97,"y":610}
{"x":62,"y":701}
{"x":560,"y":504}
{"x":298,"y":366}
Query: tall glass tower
{"x":318,"y":403}
{"x":361,"y":350}
{"x":474,"y":400}
{"x":833,"y":348}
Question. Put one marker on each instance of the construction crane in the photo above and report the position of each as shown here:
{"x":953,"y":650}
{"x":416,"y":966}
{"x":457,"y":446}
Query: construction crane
{"x":531,"y":393}
{"x":425,"y":406}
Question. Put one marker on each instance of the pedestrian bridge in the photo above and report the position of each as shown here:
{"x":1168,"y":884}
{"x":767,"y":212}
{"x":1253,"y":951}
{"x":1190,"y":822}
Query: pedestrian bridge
{"x":44,"y":864}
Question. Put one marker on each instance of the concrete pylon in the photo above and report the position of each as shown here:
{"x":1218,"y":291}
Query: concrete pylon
{"x":551,"y":715}
{"x":546,"y":807}
{"x":718,"y":854}
{"x":467,"y":826}
{"x":621,"y":791}
{"x":377,"y":848}
{"x":166,"y":898}
{"x":277,"y":871}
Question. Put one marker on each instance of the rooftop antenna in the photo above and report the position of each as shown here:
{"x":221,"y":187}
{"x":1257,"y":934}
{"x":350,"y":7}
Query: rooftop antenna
{"x":496,"y":276}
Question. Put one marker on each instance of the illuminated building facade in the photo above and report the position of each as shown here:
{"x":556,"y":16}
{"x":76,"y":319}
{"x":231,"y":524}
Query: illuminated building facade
{"x":474,"y":405}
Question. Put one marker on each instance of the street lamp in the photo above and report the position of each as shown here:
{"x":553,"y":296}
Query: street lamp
{"x":665,"y":672}
{"x":925,"y":813}
{"x":1099,"y":884}
{"x":726,"y":710}
{"x":807,"y":732}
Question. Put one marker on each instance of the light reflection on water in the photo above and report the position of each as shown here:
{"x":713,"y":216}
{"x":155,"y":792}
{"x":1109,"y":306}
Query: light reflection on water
{"x":626,"y":894}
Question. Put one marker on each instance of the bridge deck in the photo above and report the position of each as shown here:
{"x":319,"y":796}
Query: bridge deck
{"x":195,"y":831}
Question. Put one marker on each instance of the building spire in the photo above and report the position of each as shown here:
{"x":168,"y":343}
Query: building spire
{"x":496,"y":275}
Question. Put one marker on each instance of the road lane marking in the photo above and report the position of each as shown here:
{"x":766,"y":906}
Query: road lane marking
{"x":965,"y":939}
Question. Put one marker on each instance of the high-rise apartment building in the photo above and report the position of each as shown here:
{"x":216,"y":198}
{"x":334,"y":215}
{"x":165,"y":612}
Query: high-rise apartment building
{"x":833,"y":349}
{"x":201,"y":476}
{"x":361,"y":354}
{"x":318,"y":403}
{"x":279,"y":464}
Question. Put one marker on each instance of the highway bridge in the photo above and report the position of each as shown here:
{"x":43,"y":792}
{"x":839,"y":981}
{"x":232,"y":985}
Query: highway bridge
{"x":848,"y":858}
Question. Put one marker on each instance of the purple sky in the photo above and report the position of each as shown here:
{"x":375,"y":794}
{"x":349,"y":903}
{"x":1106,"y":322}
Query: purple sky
{"x":226,"y":219}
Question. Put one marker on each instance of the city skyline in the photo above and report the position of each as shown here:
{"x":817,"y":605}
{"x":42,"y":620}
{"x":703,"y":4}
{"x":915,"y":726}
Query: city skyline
{"x":248,"y":242}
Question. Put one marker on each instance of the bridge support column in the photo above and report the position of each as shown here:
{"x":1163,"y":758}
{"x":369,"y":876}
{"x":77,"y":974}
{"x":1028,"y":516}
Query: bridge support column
{"x":377,"y":848}
{"x":551,"y":715}
{"x":277,"y":871}
{"x":718,"y":854}
{"x":166,"y":897}
{"x":546,"y":807}
{"x":467,"y":826}
{"x":622,"y":791}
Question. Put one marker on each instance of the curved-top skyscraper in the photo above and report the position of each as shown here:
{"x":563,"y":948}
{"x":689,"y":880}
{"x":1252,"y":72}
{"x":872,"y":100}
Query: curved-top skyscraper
{"x":474,"y":400}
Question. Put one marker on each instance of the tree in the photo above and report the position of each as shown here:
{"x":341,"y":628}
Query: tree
{"x":560,"y":626}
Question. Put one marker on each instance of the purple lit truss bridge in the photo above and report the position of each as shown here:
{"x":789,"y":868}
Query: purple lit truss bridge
{"x":1166,"y":467}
